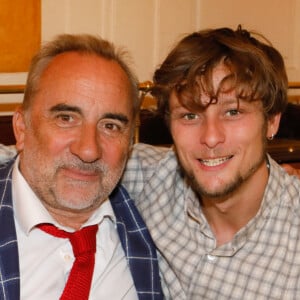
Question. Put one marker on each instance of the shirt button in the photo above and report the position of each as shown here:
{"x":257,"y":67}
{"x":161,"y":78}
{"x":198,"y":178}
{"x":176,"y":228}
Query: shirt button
{"x":211,"y":258}
{"x":67,"y":257}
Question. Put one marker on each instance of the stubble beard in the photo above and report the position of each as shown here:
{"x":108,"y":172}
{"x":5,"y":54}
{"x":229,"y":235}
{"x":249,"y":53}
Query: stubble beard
{"x":229,"y":187}
{"x":108,"y":180}
{"x":51,"y":193}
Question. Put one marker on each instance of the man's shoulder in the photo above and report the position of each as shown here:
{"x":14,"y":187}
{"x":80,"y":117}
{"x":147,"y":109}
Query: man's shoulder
{"x":7,"y":159}
{"x":7,"y":153}
{"x":148,"y":153}
{"x":291,"y":190}
{"x":285,"y":186}
{"x":147,"y":157}
{"x":147,"y":163}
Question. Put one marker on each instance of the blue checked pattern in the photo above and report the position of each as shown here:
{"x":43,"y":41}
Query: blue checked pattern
{"x":135,"y":238}
{"x":138,"y":246}
{"x":9,"y":258}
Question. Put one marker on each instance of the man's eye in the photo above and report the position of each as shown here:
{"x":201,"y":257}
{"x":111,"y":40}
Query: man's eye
{"x":112,"y":126}
{"x":232,"y":112}
{"x":65,"y":118}
{"x":190,"y":116}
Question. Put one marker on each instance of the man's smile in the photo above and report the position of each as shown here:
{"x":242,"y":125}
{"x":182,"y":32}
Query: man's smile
{"x":212,"y":162}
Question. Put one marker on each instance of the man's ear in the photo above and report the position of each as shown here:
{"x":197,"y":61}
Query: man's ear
{"x":273,"y":125}
{"x":19,"y":128}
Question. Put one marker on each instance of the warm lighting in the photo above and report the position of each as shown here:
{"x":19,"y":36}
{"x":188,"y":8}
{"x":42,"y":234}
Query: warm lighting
{"x":291,"y":149}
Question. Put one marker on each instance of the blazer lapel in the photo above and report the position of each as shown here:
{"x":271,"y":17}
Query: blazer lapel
{"x":9,"y":257}
{"x":135,"y":238}
{"x":138,"y":246}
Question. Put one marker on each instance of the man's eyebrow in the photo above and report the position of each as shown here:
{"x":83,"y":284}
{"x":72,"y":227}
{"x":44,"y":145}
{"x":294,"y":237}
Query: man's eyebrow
{"x":121,"y":117}
{"x":65,"y":107}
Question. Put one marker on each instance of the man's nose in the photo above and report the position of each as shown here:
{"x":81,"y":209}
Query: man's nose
{"x":212,"y":132}
{"x":87,"y":146}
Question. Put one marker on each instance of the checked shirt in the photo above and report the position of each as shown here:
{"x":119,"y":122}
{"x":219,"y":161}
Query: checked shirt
{"x":261,"y":262}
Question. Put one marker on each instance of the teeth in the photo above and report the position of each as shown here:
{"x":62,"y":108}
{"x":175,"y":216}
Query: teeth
{"x":214,"y":162}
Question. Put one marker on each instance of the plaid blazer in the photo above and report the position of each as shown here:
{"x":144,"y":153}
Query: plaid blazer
{"x":135,"y":238}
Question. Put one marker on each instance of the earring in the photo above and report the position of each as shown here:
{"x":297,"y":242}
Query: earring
{"x":270,"y":138}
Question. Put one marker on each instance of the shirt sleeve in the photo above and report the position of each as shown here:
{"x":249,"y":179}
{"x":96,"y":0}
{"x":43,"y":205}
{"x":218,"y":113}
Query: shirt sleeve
{"x":141,"y":166}
{"x":7,"y":153}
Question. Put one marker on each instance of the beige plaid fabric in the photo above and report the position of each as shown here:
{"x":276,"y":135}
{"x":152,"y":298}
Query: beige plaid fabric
{"x":7,"y":153}
{"x":262,"y":261}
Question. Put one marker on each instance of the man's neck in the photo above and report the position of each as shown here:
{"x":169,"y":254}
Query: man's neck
{"x":227,"y":215}
{"x":68,"y":218}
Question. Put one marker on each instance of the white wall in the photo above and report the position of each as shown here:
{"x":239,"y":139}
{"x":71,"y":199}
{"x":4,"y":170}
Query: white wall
{"x":145,"y":27}
{"x":148,"y":28}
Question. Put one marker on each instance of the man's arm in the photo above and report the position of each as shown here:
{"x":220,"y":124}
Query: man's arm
{"x":7,"y":153}
{"x":291,"y":170}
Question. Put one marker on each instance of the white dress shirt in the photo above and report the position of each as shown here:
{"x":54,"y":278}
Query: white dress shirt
{"x":45,"y":261}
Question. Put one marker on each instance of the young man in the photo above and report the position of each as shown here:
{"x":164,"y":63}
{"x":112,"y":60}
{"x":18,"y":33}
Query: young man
{"x":224,"y":215}
{"x":67,"y":229}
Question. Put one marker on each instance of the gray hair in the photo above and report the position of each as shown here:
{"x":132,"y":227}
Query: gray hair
{"x":83,"y":43}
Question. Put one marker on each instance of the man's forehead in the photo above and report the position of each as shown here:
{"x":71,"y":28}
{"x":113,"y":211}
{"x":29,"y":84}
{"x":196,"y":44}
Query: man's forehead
{"x":85,"y":71}
{"x":218,"y":74}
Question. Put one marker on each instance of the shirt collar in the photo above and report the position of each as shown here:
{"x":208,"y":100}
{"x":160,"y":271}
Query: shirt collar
{"x":193,"y":207}
{"x":29,"y":211}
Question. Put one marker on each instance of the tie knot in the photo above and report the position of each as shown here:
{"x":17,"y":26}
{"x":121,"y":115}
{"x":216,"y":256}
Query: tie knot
{"x":84,"y":240}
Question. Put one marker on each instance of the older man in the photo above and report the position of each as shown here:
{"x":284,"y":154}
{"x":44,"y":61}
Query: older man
{"x":67,"y":229}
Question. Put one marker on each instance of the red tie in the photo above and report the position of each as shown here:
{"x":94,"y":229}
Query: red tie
{"x":84,"y":247}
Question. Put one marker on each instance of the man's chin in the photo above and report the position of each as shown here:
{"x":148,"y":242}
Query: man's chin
{"x":215,"y":191}
{"x":79,"y":198}
{"x":83,"y":205}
